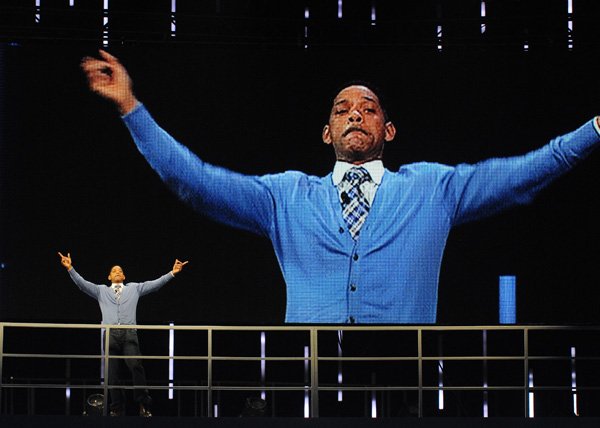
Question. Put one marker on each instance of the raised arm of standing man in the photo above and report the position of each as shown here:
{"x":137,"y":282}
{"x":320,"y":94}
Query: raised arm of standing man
{"x":151,"y":286}
{"x":89,"y":288}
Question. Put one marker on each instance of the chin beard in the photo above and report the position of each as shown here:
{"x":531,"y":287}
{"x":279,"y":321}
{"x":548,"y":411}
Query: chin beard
{"x":363,"y":155}
{"x":359,"y":157}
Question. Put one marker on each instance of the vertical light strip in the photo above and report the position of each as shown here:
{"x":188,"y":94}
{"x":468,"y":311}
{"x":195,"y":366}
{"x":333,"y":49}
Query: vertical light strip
{"x":306,"y":17}
{"x":37,"y":11}
{"x":306,"y":376}
{"x":173,"y":19}
{"x":215,"y":410}
{"x":570,"y":24}
{"x":171,"y":361}
{"x":574,"y":382}
{"x":440,"y":345}
{"x":67,"y":400}
{"x":71,"y":3}
{"x":105,"y":24}
{"x":340,"y":376}
{"x":526,"y":46}
{"x":373,"y":14}
{"x":531,"y":395}
{"x":438,"y":31}
{"x":340,"y":7}
{"x":263,"y":363}
{"x":482,"y":16}
{"x":441,"y":385}
{"x":485,"y":377}
{"x":373,"y":404}
{"x":373,"y":397}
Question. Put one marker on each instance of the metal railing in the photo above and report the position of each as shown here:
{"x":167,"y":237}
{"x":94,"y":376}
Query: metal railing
{"x":518,"y":349}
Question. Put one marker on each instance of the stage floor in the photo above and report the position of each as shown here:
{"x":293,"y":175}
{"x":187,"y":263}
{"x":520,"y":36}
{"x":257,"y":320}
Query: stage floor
{"x":108,"y":422}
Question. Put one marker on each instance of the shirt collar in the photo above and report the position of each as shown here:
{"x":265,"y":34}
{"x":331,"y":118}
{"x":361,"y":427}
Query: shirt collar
{"x":375,"y":168}
{"x":116,"y":283}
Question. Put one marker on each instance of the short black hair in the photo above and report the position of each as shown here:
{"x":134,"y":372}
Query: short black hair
{"x":369,"y":85}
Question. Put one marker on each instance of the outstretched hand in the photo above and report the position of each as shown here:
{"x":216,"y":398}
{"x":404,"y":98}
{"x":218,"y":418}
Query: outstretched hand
{"x":178,"y":266}
{"x":66,"y":260}
{"x":108,"y":78}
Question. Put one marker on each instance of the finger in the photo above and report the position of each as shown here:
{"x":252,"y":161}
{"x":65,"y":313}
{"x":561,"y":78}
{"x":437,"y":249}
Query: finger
{"x":59,"y":253}
{"x":185,"y":263}
{"x":96,"y":66}
{"x":108,"y":57}
{"x":90,"y":60}
{"x":69,"y":256}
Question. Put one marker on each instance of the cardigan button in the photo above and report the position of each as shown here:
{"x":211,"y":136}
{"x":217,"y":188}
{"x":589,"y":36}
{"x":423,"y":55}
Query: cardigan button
{"x":352,"y":287}
{"x":341,"y":229}
{"x":355,"y":257}
{"x":351,"y":320}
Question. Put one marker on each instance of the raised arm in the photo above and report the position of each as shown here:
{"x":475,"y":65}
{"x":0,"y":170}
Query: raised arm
{"x":87,"y":287}
{"x":234,"y":199}
{"x":492,"y":185}
{"x":151,"y":286}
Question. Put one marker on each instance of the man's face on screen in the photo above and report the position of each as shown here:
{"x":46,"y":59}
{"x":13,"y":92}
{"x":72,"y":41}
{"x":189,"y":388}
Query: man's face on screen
{"x":357,"y":128}
{"x":116,"y":275}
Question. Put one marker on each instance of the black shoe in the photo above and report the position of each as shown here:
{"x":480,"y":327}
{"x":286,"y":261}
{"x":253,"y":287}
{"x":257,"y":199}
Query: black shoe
{"x":144,"y":412}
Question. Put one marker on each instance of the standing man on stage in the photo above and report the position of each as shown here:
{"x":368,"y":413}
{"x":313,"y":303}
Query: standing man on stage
{"x":363,"y":244}
{"x":118,"y":304}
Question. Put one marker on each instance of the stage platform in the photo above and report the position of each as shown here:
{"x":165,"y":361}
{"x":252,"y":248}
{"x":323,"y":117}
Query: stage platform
{"x":159,"y":422}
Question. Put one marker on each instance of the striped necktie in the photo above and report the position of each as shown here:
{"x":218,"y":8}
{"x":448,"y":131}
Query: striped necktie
{"x":118,"y":290}
{"x":355,"y":206}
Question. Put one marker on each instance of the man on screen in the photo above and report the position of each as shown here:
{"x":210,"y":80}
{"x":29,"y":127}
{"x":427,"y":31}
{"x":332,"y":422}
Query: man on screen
{"x":362,"y":244}
{"x":118,"y":304}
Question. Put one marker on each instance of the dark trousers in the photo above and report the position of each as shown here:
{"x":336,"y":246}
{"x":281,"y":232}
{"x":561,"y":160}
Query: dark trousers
{"x":125,"y":342}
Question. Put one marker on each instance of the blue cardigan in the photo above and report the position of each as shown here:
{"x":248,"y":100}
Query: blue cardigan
{"x":390,"y":274}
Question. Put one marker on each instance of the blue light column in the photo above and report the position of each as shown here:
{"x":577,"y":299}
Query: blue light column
{"x":507,"y":299}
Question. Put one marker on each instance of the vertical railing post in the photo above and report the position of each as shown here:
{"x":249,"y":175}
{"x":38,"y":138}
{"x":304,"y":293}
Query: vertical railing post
{"x":209,"y":374}
{"x":314,"y":373}
{"x":1,"y":359}
{"x":420,"y":368}
{"x":526,"y":369}
{"x":106,"y":377}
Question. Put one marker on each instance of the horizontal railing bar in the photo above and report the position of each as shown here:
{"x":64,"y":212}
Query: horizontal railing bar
{"x":223,"y":358}
{"x":158,"y":357}
{"x":60,"y":386}
{"x":465,"y":358}
{"x":110,"y":357}
{"x":230,"y":358}
{"x":303,"y":388}
{"x":76,"y":356}
{"x":304,"y":328}
{"x":454,"y":388}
